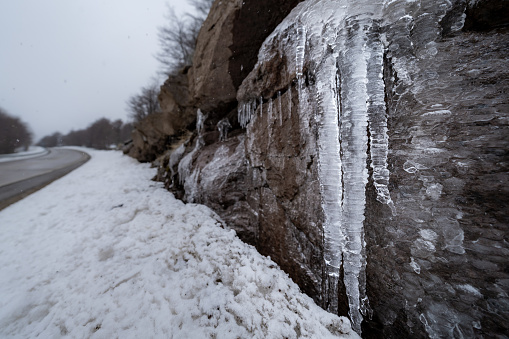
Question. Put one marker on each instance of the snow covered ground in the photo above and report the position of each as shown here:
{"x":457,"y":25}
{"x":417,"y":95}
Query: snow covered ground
{"x":106,"y":253}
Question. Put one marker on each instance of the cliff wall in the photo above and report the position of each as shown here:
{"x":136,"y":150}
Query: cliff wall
{"x":363,"y":147}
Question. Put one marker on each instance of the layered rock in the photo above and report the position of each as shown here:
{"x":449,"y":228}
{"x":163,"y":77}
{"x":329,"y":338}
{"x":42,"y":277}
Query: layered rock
{"x":426,"y":240}
{"x":157,"y":132}
{"x":367,"y":154}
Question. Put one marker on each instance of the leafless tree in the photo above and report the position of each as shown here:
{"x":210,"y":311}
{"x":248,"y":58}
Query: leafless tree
{"x":144,"y":103}
{"x":178,"y":38}
{"x":14,"y":133}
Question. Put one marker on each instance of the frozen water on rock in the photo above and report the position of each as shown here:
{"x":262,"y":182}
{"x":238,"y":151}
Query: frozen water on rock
{"x":223,"y":126}
{"x":246,"y":111}
{"x":200,"y":120}
{"x":184,"y":167}
{"x":175,"y":157}
{"x":280,"y":110}
{"x":415,"y":266}
{"x":338,"y":43}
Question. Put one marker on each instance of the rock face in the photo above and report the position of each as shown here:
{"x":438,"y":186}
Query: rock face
{"x":366,"y":154}
{"x":227,"y":49}
{"x":155,"y":134}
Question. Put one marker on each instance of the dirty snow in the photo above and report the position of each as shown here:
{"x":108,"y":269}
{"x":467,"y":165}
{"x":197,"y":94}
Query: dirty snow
{"x":104,"y":252}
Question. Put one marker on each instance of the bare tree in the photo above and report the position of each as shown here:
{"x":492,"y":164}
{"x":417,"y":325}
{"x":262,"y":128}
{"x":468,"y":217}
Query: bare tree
{"x":178,"y":38}
{"x":144,"y":103}
{"x":202,"y":7}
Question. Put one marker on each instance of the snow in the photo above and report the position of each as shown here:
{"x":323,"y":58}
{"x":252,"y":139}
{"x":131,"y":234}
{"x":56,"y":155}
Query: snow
{"x":32,"y":152}
{"x":105,"y":252}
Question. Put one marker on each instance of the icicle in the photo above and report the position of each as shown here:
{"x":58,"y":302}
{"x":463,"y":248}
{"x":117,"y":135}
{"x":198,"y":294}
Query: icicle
{"x":184,"y":167}
{"x":241,"y":111}
{"x":280,"y":108}
{"x":299,"y":57}
{"x":244,"y":114}
{"x":339,"y":36}
{"x":223,"y":125}
{"x":379,"y":140}
{"x":354,"y":123}
{"x":300,"y":50}
{"x":289,"y":92}
{"x":329,"y":168}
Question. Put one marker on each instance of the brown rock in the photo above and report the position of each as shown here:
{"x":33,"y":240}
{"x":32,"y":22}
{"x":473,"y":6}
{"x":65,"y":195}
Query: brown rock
{"x":209,"y":81}
{"x":439,"y":266}
{"x":150,"y":137}
{"x":227,"y":49}
{"x":174,"y":101}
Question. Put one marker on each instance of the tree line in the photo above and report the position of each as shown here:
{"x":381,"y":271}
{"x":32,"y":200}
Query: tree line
{"x":14,"y":133}
{"x":102,"y":134}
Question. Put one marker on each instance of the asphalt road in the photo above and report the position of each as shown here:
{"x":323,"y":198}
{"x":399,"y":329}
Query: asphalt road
{"x":20,"y":178}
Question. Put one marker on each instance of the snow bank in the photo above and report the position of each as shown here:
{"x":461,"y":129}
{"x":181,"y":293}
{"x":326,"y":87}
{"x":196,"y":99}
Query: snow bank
{"x":32,"y":152}
{"x":104,"y":252}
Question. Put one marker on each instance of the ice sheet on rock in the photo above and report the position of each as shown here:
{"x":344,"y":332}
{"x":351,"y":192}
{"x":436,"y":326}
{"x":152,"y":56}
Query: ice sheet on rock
{"x":246,"y":111}
{"x":175,"y":158}
{"x":185,"y":165}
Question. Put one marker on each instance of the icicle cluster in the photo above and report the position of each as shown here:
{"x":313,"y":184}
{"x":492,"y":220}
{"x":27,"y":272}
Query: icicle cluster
{"x":246,"y":110}
{"x":184,"y":167}
{"x":340,"y":38}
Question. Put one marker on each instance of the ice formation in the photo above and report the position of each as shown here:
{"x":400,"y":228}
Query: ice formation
{"x":339,"y":43}
{"x":184,"y":167}
{"x":175,"y":158}
{"x":223,"y":126}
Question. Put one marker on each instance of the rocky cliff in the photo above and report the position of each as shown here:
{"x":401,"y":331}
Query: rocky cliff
{"x":363,"y":147}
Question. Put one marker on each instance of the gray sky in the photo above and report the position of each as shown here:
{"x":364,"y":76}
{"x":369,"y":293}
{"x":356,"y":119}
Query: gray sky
{"x":67,"y":63}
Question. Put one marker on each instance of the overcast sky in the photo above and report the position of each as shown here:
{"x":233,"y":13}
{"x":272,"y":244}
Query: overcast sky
{"x":66,"y":63}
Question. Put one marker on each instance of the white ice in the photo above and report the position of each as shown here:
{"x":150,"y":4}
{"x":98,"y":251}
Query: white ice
{"x":105,"y":252}
{"x":339,"y":44}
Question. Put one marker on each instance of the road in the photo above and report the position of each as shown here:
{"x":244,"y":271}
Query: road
{"x":20,"y":178}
